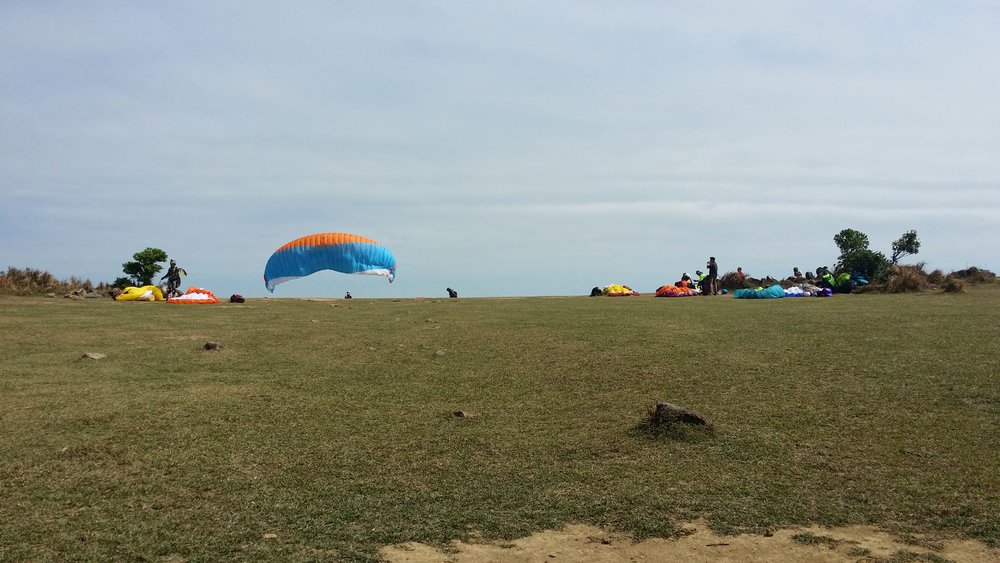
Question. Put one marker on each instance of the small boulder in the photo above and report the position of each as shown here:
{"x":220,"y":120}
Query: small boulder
{"x":212,"y":346}
{"x":669,"y":413}
{"x":93,"y":356}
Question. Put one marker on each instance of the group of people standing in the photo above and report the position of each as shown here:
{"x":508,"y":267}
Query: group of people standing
{"x":708,"y":283}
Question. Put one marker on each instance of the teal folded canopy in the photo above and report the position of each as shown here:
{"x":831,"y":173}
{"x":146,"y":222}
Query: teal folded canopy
{"x":773,"y":292}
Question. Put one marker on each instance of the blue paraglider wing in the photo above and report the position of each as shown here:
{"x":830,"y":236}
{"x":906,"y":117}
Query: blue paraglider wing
{"x":341,"y":252}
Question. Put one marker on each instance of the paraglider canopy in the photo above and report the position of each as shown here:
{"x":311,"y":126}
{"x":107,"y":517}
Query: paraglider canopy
{"x":340,"y":252}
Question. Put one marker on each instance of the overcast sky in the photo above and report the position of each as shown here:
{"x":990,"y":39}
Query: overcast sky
{"x":500,"y":148}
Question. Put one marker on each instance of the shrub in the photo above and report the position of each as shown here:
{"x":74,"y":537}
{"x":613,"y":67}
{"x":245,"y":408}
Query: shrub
{"x":732,"y":281}
{"x":953,"y":285}
{"x":874,"y":265}
{"x":906,"y":279}
{"x":936,"y":277}
{"x":974,"y":275}
{"x":768,"y":282}
{"x":30,"y":281}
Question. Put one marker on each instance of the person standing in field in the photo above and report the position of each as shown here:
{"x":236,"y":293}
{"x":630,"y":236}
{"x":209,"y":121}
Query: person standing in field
{"x":713,"y":276}
{"x":173,"y":277}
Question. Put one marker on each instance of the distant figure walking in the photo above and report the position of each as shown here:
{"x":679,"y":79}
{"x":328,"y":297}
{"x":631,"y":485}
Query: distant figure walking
{"x":452,"y":293}
{"x":713,"y":276}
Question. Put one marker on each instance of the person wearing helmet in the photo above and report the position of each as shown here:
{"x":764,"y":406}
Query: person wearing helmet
{"x":173,"y":277}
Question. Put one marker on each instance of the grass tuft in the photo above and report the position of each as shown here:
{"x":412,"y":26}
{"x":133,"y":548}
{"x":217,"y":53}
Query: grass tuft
{"x":857,"y":551}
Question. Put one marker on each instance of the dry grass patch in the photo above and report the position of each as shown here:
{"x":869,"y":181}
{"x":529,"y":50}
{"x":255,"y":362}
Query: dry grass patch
{"x":695,"y":543}
{"x":906,"y":279}
{"x":732,"y":281}
{"x":953,"y":285}
{"x":30,"y":281}
{"x":914,"y":279}
{"x":974,"y":275}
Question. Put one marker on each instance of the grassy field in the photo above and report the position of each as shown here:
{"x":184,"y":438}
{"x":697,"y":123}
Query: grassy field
{"x":324,"y":429}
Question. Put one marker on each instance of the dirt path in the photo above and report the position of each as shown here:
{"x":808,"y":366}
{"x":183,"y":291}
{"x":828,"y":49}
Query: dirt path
{"x":579,"y":543}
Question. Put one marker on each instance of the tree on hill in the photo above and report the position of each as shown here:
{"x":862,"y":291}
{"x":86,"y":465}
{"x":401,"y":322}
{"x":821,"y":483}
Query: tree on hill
{"x":873,"y":264}
{"x":855,"y":256}
{"x":904,"y":245}
{"x":144,"y":267}
{"x":850,"y":241}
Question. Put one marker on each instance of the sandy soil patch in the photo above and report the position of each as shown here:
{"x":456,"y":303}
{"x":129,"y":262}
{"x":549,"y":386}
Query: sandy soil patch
{"x":580,"y":543}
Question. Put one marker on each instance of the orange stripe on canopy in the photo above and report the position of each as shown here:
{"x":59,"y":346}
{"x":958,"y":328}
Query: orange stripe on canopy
{"x":325,"y":239}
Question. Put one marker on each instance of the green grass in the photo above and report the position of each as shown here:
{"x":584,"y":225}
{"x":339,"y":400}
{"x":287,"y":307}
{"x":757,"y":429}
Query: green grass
{"x":329,"y":423}
{"x":813,"y":539}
